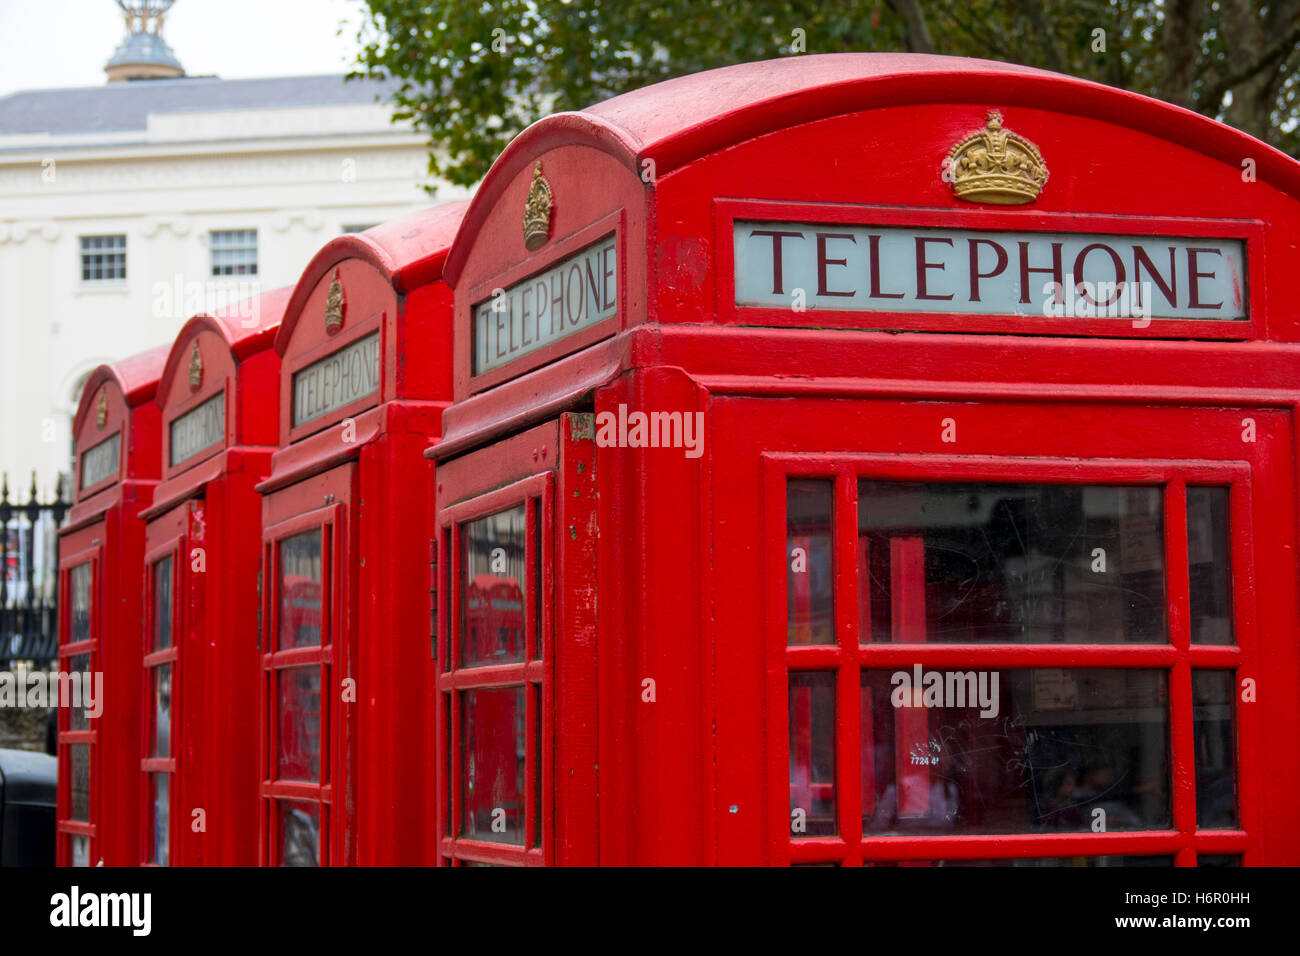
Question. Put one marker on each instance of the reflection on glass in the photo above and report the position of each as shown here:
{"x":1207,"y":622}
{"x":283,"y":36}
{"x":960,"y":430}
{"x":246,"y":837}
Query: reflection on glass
{"x":162,"y":604}
{"x":162,"y":721}
{"x":77,"y":719}
{"x":299,"y":833}
{"x":1216,"y":766}
{"x":447,"y":775}
{"x":492,"y":596}
{"x":537,"y":766}
{"x":79,"y":849}
{"x":1128,"y":861}
{"x":1015,"y":751}
{"x":79,"y":761}
{"x":812,"y":753}
{"x":1209,"y":570}
{"x":300,"y":591}
{"x":540,"y":597}
{"x":1010,"y":563}
{"x":1218,"y":859}
{"x":494,"y":749}
{"x":809,"y":568}
{"x":79,"y":579}
{"x":161,"y":815}
{"x":299,"y":737}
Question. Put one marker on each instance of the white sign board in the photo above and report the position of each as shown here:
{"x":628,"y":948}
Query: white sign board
{"x":339,"y":379}
{"x":574,"y":294}
{"x":1055,"y":274}
{"x":101,"y":461}
{"x":198,"y":429}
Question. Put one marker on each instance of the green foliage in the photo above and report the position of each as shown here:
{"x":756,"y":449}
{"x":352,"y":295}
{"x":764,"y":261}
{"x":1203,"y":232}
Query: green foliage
{"x":474,"y":74}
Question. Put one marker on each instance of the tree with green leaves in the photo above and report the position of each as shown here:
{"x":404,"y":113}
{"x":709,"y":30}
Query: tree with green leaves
{"x":474,"y":74}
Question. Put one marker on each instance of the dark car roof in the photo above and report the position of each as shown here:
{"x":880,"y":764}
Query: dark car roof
{"x":27,"y":777}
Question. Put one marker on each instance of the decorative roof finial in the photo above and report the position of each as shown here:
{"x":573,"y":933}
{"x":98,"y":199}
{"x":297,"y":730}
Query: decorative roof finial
{"x":144,"y":55}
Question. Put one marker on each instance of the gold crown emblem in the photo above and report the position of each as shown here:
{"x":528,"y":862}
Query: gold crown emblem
{"x":101,"y":409}
{"x":334,"y":306}
{"x":995,"y":166}
{"x":196,"y":368}
{"x":537,"y":211}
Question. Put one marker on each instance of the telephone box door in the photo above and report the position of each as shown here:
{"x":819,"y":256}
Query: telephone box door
{"x":170,"y":728}
{"x":515,"y":662}
{"x":1008,"y":633}
{"x":80,"y":623}
{"x":308,"y":672}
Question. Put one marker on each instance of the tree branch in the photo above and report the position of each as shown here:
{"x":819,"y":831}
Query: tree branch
{"x":1212,"y":96}
{"x":919,"y":39}
{"x":1037,"y":16}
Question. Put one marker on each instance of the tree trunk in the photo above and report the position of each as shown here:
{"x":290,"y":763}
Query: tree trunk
{"x":919,"y":39}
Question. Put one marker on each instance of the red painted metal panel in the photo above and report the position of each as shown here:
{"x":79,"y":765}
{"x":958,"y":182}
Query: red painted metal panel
{"x":103,"y":525}
{"x":357,"y":471}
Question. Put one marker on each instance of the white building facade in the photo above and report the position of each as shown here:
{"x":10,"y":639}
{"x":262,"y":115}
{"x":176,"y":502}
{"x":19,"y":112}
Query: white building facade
{"x":125,"y":209}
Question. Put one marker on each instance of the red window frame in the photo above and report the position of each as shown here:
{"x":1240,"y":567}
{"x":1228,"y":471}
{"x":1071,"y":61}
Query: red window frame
{"x":846,"y":658}
{"x":324,"y":791}
{"x":67,"y":827}
{"x":151,"y":660}
{"x":536,"y":493}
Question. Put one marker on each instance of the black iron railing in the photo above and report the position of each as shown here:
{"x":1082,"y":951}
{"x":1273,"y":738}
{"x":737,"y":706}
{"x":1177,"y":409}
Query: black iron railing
{"x":29,"y":577}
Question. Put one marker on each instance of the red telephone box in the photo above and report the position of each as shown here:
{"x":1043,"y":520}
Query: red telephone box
{"x":219,"y":397}
{"x":366,"y":357}
{"x":922,"y":432}
{"x":100,"y":550}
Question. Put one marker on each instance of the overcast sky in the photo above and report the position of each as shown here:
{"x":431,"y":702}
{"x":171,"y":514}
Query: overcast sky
{"x":49,"y":43}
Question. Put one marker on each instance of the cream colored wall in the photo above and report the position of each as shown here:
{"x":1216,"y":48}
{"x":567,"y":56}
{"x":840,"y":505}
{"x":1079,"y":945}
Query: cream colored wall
{"x":295,"y":175}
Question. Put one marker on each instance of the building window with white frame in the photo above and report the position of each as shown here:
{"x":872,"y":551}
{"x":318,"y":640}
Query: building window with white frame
{"x":358,"y":227}
{"x":234,"y":252}
{"x":103,"y":258}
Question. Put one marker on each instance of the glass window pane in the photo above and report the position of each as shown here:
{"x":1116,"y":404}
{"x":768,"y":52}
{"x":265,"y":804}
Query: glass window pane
{"x":1218,"y":859}
{"x":537,"y":766}
{"x":103,"y":257}
{"x":1209,"y":568}
{"x":300,"y":591}
{"x":299,"y":833}
{"x":161,"y":817}
{"x":234,"y":252}
{"x":539,"y":598}
{"x":79,"y":789}
{"x":162,"y":604}
{"x":1011,"y":563}
{"x":812,"y":753}
{"x":493,"y":772}
{"x":79,"y":849}
{"x":447,"y":776}
{"x":493,"y":572}
{"x":1015,"y":751}
{"x":79,"y":664}
{"x":299,"y":724}
{"x":1090,"y":861}
{"x":1216,"y":765}
{"x":809,"y":568}
{"x":79,"y":579}
{"x":162,"y":721}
